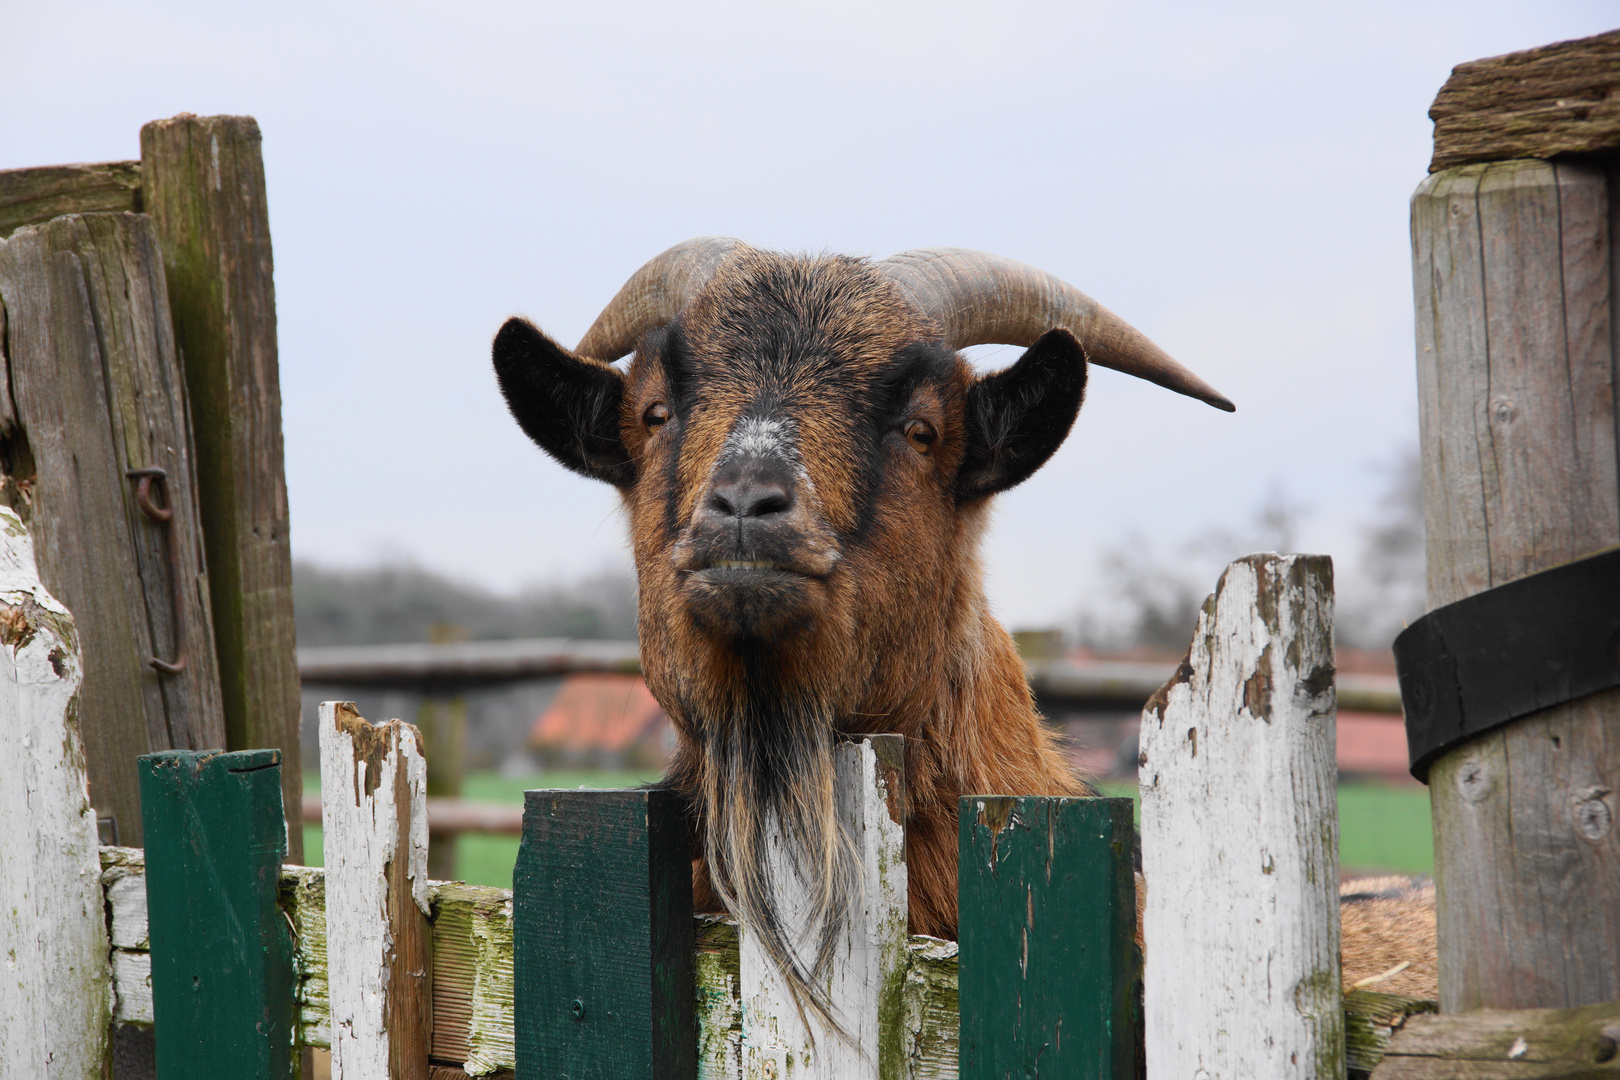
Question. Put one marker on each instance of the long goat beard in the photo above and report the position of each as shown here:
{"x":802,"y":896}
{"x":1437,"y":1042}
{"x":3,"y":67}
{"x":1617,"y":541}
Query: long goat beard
{"x":767,"y":782}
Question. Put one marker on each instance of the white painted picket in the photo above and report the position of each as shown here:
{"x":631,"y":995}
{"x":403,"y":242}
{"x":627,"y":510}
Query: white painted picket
{"x":1240,"y":838}
{"x":870,"y":959}
{"x":55,"y":985}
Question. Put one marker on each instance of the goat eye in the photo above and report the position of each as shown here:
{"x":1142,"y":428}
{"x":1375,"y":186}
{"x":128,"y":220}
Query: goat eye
{"x":921,"y":435}
{"x":657,"y":415}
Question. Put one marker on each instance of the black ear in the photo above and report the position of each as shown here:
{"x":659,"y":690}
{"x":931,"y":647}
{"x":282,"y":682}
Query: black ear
{"x":1017,"y":418}
{"x":567,"y":404}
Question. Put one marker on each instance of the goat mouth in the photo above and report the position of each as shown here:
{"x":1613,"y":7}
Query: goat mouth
{"x":741,"y":571}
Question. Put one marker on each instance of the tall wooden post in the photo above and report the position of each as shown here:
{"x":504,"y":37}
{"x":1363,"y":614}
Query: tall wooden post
{"x":1516,"y":294}
{"x":202,"y":180}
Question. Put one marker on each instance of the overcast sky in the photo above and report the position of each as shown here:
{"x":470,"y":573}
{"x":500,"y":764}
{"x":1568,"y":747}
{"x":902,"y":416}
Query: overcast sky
{"x":1231,"y":178}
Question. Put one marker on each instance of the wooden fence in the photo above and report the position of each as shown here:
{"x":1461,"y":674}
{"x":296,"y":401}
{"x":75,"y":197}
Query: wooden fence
{"x":596,"y":964}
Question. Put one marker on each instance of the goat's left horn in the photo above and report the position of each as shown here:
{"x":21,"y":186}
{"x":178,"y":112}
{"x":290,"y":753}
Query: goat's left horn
{"x":979,"y":299}
{"x":654,"y":294}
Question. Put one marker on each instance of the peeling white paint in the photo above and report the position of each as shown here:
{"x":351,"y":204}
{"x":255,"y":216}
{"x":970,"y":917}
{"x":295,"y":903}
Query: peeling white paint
{"x":870,"y":960}
{"x":55,"y":1004}
{"x":1240,"y":836}
{"x":361,"y":838}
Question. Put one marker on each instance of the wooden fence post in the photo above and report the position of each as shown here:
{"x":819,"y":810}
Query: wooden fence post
{"x":1240,"y":835}
{"x":222,"y":972}
{"x":866,"y":981}
{"x":378,"y":939}
{"x":99,"y":393}
{"x":1050,"y":975}
{"x":1515,"y":289}
{"x":202,"y":180}
{"x":602,"y":937}
{"x":55,"y":1004}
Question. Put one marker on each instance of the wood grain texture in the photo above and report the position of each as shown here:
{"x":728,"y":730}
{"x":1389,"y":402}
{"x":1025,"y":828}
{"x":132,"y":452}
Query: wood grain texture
{"x":472,"y":977}
{"x":1503,"y":1044}
{"x":864,"y":983}
{"x":1240,"y":835}
{"x":203,"y":184}
{"x":54,"y":1002}
{"x":602,"y":924}
{"x":378,"y":939}
{"x":1514,"y":288}
{"x":34,"y":196}
{"x":222,"y":971}
{"x":1539,"y":103}
{"x":98,"y":391}
{"x":1050,"y":975}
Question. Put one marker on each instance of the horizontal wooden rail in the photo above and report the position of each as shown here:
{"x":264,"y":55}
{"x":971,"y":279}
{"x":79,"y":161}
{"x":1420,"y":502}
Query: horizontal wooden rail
{"x":1059,"y":684}
{"x":450,"y":817}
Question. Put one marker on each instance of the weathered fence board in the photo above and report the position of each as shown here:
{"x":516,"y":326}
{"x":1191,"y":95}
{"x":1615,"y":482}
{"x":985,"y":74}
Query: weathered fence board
{"x":602,"y":928}
{"x":222,"y":970}
{"x":1508,"y":1044}
{"x":54,"y":1000}
{"x":378,"y":943}
{"x":202,"y":180}
{"x":33,"y":196}
{"x":1049,"y":968}
{"x":98,"y":391}
{"x":1240,"y":835}
{"x":865,"y":980}
{"x":1512,"y":265}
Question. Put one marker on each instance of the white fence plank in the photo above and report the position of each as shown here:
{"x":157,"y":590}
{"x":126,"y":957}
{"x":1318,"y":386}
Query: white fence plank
{"x":867,"y":977}
{"x":374,"y":822}
{"x":1240,"y":836}
{"x":54,"y":1001}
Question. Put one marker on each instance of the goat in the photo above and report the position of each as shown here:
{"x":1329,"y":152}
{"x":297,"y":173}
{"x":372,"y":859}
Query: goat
{"x":807,"y":463}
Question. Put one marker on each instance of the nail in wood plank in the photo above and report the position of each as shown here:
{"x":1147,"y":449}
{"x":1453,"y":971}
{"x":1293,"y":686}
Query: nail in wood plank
{"x":602,"y":929}
{"x":1240,"y":835}
{"x":1050,"y":975}
{"x":865,"y":982}
{"x":54,"y":1004}
{"x":378,"y":939}
{"x":222,"y":973}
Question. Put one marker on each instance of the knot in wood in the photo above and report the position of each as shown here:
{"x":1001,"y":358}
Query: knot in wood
{"x":1593,"y":818}
{"x":1474,"y":781}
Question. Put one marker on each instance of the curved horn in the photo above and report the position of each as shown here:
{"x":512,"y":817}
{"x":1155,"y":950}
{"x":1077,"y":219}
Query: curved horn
{"x":980,"y":298}
{"x":654,"y":294}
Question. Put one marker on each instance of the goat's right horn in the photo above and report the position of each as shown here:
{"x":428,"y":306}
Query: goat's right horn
{"x":980,"y":299}
{"x":654,"y":294}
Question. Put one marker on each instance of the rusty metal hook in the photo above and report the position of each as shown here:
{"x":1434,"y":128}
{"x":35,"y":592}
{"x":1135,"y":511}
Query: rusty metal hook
{"x":164,"y":515}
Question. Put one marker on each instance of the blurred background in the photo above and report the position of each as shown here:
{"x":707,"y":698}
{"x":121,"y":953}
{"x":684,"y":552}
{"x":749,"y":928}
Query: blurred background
{"x":1232,"y":179}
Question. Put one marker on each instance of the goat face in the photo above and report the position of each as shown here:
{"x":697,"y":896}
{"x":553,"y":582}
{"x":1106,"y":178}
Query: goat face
{"x":806,"y":463}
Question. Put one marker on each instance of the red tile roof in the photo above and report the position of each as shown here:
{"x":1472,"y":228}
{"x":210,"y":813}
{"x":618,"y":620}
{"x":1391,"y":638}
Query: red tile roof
{"x":598,"y":712}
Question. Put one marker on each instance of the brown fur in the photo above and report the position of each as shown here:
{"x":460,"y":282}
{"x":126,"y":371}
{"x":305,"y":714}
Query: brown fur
{"x":1385,"y":922}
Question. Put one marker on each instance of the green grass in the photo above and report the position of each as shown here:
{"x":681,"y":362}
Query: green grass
{"x":1381,"y":828}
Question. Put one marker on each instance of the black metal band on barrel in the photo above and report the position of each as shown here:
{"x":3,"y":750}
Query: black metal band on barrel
{"x":1507,"y":652}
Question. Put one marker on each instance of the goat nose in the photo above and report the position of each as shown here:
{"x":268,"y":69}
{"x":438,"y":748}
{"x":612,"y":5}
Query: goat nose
{"x":750,"y":495}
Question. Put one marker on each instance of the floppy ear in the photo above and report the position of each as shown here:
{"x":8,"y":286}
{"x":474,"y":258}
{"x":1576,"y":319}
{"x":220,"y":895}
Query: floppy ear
{"x":1017,"y":418}
{"x":567,"y":404}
